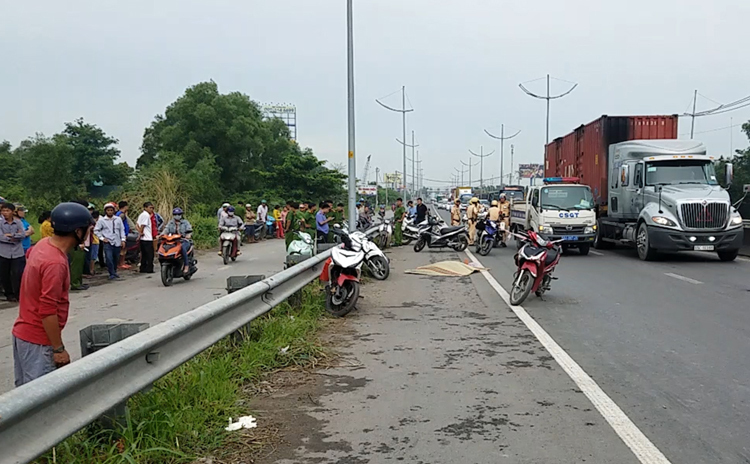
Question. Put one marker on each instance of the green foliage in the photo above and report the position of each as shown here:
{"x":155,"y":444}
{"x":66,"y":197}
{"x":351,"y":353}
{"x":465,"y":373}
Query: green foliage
{"x":182,"y":418}
{"x":205,"y":230}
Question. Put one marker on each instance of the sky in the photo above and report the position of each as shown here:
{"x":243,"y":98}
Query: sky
{"x":118,"y":64}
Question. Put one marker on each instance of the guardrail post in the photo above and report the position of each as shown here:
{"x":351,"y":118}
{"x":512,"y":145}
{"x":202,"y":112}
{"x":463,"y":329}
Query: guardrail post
{"x":235,"y":283}
{"x":95,"y":337}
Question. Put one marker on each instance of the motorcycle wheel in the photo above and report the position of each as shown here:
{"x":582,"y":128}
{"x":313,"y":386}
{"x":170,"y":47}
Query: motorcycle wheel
{"x":521,"y":288}
{"x":485,"y":247}
{"x":187,"y":276}
{"x":419,"y":246}
{"x":167,"y":275}
{"x":463,"y":243}
{"x":352,"y":295}
{"x":225,"y":253}
{"x":379,"y":267}
{"x":406,"y":240}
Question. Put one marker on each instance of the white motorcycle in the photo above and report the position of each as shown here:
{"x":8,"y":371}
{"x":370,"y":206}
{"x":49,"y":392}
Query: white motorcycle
{"x":375,"y":260}
{"x":229,"y":244}
{"x":341,"y":273}
{"x":300,"y":248}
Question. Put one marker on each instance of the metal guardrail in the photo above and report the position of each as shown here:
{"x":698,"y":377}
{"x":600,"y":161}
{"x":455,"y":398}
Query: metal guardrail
{"x":39,"y":415}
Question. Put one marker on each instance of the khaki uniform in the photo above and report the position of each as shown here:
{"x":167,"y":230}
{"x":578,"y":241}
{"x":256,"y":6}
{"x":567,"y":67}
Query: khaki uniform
{"x":505,"y":210}
{"x":472,"y":211}
{"x":494,"y":214}
{"x":456,"y":215}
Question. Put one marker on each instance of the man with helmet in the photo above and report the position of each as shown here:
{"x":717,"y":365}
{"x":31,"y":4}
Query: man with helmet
{"x":505,"y":214}
{"x":180,"y":225}
{"x":472,"y":214}
{"x":111,"y":232}
{"x":43,"y":310}
{"x":222,"y":211}
{"x":456,"y":213}
{"x":230,"y":220}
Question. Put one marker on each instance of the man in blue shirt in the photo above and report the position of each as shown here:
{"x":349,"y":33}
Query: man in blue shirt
{"x":321,"y":222}
{"x":411,"y":210}
{"x":21,"y":215}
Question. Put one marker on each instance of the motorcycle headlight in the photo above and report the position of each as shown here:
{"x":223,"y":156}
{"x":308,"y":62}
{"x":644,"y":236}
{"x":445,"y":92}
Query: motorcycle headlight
{"x":662,"y":221}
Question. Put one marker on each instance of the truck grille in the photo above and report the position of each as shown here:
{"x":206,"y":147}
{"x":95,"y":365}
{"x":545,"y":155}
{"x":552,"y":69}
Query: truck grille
{"x":562,"y":230}
{"x":704,"y":216}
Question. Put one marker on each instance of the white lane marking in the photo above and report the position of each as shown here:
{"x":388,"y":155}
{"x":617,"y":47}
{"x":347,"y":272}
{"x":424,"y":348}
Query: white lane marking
{"x":597,"y":253}
{"x":639,"y":444}
{"x":683,"y":278}
{"x":741,"y":258}
{"x":223,"y":268}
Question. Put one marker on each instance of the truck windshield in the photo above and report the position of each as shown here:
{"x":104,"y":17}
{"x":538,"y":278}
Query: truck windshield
{"x":680,"y":172}
{"x":465,"y":198}
{"x":573,"y":197}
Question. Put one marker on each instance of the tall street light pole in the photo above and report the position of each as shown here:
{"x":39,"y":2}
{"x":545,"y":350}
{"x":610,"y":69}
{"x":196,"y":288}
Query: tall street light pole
{"x":413,"y":146}
{"x":548,"y":98}
{"x":403,"y":112}
{"x":502,"y":140}
{"x":469,"y":165}
{"x":352,"y":181}
{"x":481,"y":156}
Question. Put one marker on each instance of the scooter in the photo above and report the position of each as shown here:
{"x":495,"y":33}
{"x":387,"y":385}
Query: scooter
{"x":536,"y":261}
{"x":170,"y":259}
{"x":229,"y":244}
{"x":375,"y":260}
{"x":438,"y":235}
{"x":342,"y":272}
{"x":411,"y":230}
{"x":488,"y":235}
{"x":385,"y":233}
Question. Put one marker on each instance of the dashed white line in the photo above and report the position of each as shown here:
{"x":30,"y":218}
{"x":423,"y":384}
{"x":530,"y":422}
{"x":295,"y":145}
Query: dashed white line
{"x":222,"y":268}
{"x":631,"y":435}
{"x":597,"y":253}
{"x":683,"y":278}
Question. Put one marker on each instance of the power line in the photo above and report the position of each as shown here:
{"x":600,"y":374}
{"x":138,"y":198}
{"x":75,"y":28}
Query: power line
{"x":548,"y":97}
{"x":403,"y":112}
{"x":502,"y":140}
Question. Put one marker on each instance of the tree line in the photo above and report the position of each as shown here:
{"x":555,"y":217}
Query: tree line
{"x":205,"y":149}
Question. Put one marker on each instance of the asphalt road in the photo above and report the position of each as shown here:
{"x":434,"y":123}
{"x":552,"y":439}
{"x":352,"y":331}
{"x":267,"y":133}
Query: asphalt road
{"x":668,"y":341}
{"x":143,"y":298}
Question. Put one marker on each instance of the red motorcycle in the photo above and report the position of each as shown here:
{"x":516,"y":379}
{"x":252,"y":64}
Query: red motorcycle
{"x":536,"y":261}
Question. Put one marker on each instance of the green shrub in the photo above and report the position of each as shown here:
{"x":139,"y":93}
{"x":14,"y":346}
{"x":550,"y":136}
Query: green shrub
{"x":205,"y":231}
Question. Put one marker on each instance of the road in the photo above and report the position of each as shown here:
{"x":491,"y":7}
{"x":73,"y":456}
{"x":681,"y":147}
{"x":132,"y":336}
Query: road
{"x":143,"y":298}
{"x":668,"y":341}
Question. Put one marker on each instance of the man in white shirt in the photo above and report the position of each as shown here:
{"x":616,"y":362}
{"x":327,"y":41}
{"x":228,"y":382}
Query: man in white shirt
{"x":262,"y":214}
{"x":111,"y":232}
{"x":145,"y":227}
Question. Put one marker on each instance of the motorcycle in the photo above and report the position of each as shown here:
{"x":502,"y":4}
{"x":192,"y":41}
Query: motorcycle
{"x":229,"y":244}
{"x":385,"y":233}
{"x":438,"y":235}
{"x":170,"y":259}
{"x":341,"y":274}
{"x":411,"y":230}
{"x":536,"y":261}
{"x":488,"y":235}
{"x":375,"y":260}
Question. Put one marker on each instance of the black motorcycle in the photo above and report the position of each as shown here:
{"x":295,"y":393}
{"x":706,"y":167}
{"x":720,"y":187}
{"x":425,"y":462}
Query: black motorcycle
{"x":438,"y":235}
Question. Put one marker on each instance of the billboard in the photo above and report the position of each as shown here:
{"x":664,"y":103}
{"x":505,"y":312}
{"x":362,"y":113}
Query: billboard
{"x":531,"y":171}
{"x":392,"y":178}
{"x":287,"y":113}
{"x":369,"y":190}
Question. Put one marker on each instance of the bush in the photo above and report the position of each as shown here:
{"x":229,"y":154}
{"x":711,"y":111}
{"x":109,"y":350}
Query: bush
{"x":205,"y":231}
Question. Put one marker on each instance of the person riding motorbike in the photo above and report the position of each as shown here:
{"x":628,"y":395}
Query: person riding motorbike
{"x":505,"y":211}
{"x":495,"y":214}
{"x":472,"y":213}
{"x":179,"y":225}
{"x":229,"y":221}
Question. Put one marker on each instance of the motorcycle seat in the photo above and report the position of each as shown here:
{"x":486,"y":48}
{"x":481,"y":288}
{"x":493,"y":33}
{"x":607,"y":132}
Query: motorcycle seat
{"x":551,"y":256}
{"x":449,"y":229}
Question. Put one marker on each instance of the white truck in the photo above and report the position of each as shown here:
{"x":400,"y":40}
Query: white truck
{"x":561,"y":209}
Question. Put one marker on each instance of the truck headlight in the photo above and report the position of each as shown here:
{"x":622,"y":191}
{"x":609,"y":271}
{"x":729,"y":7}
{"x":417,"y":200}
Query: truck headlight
{"x":736,"y":220}
{"x":545,"y":228}
{"x":589,"y":230}
{"x":662,"y":221}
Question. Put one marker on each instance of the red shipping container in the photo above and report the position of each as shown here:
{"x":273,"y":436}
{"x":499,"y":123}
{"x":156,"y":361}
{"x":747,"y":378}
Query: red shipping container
{"x":584,"y":152}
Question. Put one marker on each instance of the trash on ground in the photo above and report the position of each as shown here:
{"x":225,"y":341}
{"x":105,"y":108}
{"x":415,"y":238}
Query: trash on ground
{"x":244,"y":422}
{"x":284,"y":350}
{"x":446,"y":268}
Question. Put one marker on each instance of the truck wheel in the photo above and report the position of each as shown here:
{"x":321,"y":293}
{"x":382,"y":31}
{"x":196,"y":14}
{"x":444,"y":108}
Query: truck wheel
{"x":584,"y":249}
{"x":645,"y":251}
{"x":728,"y":255}
{"x":600,"y":244}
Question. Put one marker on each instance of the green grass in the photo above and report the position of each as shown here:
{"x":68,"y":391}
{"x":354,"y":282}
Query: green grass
{"x":183,"y":416}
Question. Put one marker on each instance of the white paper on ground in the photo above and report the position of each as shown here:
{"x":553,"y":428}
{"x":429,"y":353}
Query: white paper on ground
{"x":244,"y":422}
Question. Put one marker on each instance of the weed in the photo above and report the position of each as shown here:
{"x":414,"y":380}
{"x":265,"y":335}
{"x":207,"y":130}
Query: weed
{"x":183,"y":416}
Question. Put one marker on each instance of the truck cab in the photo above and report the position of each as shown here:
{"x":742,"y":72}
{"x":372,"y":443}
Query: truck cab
{"x":561,"y":209}
{"x":664,"y":196}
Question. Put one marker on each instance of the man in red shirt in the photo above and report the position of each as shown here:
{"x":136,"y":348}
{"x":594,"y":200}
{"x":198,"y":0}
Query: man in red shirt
{"x":43,"y":308}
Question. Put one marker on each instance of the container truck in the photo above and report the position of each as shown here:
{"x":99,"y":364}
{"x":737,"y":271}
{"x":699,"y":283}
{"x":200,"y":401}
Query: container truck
{"x":652,"y":192}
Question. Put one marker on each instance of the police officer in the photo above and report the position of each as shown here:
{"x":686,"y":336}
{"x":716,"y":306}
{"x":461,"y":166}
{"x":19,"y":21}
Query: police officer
{"x":505,"y":212}
{"x":472,"y":213}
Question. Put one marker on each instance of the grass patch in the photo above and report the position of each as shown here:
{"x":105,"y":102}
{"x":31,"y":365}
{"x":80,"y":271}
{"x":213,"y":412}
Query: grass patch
{"x":182,"y":418}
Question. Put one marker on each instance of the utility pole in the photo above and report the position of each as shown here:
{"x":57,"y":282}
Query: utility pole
{"x":352,"y":181}
{"x":377,"y":185}
{"x":502,"y":140}
{"x":403,"y":112}
{"x":548,"y":98}
{"x":462,"y":174}
{"x":692,"y":122}
{"x":413,"y":146}
{"x":481,"y":156}
{"x":511,"y":165}
{"x":469,"y":166}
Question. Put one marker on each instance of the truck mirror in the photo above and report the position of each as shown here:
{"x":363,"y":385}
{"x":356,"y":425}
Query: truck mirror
{"x":728,"y":174}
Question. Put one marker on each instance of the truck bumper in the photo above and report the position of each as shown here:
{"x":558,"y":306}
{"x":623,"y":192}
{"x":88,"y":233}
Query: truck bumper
{"x":582,"y":239}
{"x":675,"y":240}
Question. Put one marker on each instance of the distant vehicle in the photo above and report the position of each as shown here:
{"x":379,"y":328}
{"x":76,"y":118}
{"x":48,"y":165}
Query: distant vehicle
{"x":652,"y":192}
{"x":513,"y":192}
{"x":458,"y":192}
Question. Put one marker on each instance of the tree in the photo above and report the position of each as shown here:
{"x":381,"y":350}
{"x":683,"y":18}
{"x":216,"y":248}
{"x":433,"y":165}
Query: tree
{"x":47,"y":175}
{"x":94,"y":155}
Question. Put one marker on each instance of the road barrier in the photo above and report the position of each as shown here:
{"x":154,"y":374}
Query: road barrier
{"x":39,"y":415}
